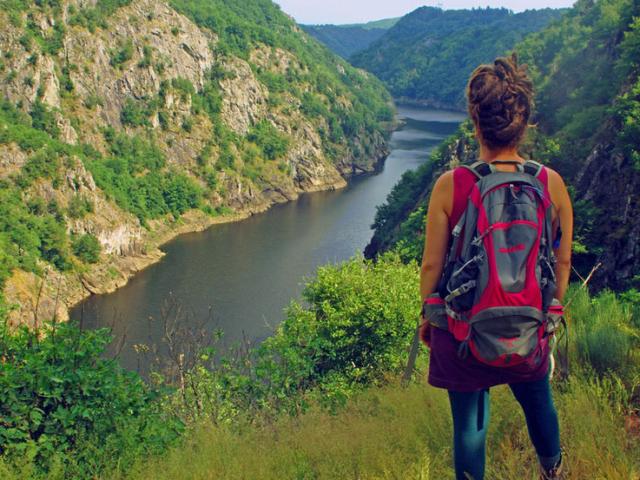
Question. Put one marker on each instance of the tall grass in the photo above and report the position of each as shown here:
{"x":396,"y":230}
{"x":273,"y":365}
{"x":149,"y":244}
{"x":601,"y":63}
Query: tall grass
{"x":393,"y":432}
{"x":389,"y":432}
{"x":604,"y":337}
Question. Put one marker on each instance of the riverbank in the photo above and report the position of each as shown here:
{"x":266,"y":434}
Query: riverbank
{"x":53,"y":293}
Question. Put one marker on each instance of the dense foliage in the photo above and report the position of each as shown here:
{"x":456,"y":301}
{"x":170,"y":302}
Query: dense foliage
{"x":430,"y":53}
{"x":34,"y":230}
{"x":68,"y":410}
{"x":133,"y":175}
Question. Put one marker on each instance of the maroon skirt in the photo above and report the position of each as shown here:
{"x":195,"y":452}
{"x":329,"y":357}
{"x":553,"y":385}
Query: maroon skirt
{"x":448,"y":370}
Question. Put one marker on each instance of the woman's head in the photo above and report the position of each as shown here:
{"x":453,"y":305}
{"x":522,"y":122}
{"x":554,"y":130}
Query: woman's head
{"x":500,"y":99}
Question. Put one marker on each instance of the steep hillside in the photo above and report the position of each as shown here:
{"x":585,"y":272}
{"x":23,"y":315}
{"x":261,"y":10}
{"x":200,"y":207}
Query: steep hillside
{"x":125,"y":122}
{"x":428,"y":55}
{"x":346,"y":40}
{"x":586,"y":68}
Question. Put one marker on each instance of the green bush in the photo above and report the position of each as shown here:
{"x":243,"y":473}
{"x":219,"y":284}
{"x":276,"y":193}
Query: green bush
{"x":272,"y":143}
{"x":43,"y":119}
{"x":54,"y":243}
{"x":79,"y":206}
{"x":122,"y":55}
{"x":180,"y":193}
{"x":358,"y":322}
{"x":135,"y":113}
{"x":87,"y":248}
{"x":64,"y":404}
{"x":184,"y":86}
{"x":147,"y":57}
{"x":354,"y":327}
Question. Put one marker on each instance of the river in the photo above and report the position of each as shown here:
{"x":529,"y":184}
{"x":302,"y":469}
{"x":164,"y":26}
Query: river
{"x":239,"y":277}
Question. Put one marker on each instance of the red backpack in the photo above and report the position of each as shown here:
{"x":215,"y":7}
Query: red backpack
{"x":499,"y":281}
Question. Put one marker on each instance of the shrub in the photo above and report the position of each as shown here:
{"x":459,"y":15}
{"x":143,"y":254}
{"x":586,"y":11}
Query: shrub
{"x":181,"y":194}
{"x":79,"y":206}
{"x":359,"y":320}
{"x":63,"y":403}
{"x":147,"y":57}
{"x":43,"y":119}
{"x":54,"y":243}
{"x":184,"y":86}
{"x":272,"y":143}
{"x":187,"y":124}
{"x":122,"y":55}
{"x":87,"y":248}
{"x":135,"y":113}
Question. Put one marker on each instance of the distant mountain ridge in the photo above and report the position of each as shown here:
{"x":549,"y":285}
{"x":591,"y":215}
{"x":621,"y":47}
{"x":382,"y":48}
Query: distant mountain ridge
{"x":429,"y":53}
{"x":346,"y":40}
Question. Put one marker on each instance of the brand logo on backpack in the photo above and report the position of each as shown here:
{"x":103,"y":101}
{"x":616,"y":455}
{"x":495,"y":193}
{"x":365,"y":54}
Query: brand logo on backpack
{"x":499,"y":280}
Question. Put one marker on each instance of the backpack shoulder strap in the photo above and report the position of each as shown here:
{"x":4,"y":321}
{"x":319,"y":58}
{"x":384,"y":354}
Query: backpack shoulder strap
{"x":480,"y":169}
{"x":533,"y":168}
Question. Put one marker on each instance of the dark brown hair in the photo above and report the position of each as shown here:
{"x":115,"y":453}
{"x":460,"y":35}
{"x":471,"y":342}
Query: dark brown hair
{"x":500,"y":99}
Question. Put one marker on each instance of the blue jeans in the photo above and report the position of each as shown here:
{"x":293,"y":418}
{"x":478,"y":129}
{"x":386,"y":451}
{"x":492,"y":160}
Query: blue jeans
{"x":470,"y":412}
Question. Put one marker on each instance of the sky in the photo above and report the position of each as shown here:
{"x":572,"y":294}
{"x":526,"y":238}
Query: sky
{"x":357,"y":11}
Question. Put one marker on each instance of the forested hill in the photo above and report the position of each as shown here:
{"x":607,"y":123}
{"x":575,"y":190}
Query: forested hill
{"x":585,"y":67}
{"x":123,"y":122}
{"x":346,"y":40}
{"x":429,"y":54}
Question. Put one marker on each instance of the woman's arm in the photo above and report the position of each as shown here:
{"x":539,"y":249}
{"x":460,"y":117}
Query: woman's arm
{"x":562,"y":202}
{"x":437,"y":234}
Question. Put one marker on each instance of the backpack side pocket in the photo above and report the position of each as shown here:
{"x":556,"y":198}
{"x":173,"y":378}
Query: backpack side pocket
{"x":555,"y":317}
{"x":434,"y":311}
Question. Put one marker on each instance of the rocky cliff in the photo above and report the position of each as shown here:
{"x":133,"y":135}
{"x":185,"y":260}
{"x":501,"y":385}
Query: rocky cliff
{"x":131,"y":122}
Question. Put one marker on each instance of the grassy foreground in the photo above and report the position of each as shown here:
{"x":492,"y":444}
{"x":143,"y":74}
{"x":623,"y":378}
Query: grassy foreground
{"x":395,"y":432}
{"x":320,"y":399}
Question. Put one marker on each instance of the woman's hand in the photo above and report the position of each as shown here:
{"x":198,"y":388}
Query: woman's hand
{"x":425,"y":331}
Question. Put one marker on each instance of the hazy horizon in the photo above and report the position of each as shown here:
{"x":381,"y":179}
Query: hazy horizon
{"x":362,"y":11}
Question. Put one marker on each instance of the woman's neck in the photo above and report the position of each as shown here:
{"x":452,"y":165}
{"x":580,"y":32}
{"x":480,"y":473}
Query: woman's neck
{"x":490,"y":155}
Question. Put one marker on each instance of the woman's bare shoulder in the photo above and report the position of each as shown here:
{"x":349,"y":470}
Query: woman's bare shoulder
{"x":444,"y":179}
{"x":554,"y":176}
{"x":557,"y":189}
{"x":442,"y":193}
{"x":556,"y":182}
{"x":443,"y":187}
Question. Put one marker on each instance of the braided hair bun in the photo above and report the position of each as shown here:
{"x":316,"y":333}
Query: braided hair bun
{"x":500,"y":99}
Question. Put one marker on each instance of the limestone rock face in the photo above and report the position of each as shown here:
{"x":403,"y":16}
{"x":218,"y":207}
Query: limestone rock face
{"x":49,"y":83}
{"x":12,"y":158}
{"x":177,"y":47}
{"x":149,"y":57}
{"x":244,"y":101}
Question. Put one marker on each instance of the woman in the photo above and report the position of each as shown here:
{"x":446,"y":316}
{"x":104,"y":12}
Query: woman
{"x":499,"y":103}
